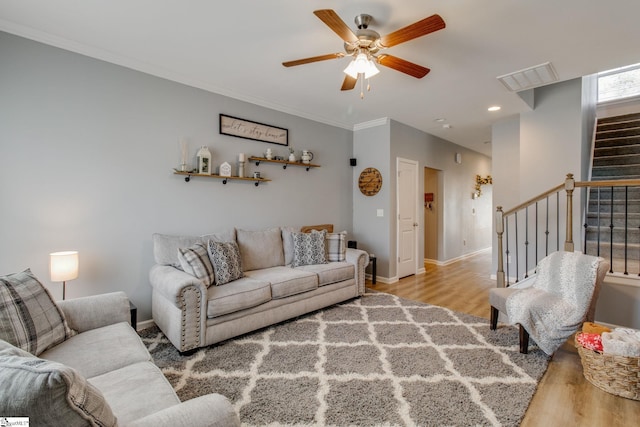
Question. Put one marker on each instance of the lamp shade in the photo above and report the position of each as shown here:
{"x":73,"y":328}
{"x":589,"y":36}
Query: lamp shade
{"x":63,"y":266}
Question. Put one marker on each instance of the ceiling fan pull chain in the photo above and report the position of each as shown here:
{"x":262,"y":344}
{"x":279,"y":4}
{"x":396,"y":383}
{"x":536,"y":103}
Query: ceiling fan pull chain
{"x":368,"y":86}
{"x":362,"y":88}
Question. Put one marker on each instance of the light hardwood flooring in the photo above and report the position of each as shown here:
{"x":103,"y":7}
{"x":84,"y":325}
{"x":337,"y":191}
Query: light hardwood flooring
{"x":564,"y":397}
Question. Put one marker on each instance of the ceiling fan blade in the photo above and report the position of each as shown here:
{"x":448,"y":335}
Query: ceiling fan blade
{"x":348,"y":83}
{"x":313,"y":59}
{"x":415,"y":30}
{"x":399,"y":64}
{"x":333,"y":21}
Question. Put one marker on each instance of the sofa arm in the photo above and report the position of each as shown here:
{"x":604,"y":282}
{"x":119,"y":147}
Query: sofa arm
{"x":171,"y":282}
{"x":96,"y":311}
{"x":360,"y":259}
{"x":211,"y":410}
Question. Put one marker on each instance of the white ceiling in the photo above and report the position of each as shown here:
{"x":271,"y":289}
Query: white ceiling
{"x":236,"y":48}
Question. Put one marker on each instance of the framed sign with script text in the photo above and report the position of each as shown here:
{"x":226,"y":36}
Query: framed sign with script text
{"x":252,"y":130}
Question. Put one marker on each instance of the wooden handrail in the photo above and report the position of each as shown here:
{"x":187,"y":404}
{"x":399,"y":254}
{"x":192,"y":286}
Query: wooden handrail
{"x":610,"y":183}
{"x":535,"y":199}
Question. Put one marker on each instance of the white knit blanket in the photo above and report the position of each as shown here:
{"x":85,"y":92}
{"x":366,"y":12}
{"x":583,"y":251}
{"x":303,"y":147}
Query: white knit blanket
{"x":557,"y":303}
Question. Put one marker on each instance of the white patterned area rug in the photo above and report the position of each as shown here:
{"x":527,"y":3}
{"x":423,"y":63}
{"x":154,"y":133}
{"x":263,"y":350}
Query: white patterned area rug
{"x":375,"y":360}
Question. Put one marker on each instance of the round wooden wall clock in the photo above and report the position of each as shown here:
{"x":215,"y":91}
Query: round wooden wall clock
{"x":370,"y":181}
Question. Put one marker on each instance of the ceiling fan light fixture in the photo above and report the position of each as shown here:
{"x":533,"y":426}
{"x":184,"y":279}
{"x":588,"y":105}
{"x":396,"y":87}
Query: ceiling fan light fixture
{"x":371,"y":71}
{"x":361,"y":64}
{"x":351,"y":70}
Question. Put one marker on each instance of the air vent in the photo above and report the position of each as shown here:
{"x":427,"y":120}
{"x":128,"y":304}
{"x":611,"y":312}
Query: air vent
{"x":528,"y":78}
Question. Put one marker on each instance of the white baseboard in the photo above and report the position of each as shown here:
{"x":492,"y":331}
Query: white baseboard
{"x":145,"y":324}
{"x":453,"y":260}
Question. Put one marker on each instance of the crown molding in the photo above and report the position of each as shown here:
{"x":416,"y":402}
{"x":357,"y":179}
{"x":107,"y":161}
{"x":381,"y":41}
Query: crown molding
{"x":371,"y":123}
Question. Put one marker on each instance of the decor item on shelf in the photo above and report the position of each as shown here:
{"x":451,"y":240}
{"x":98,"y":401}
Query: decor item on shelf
{"x":225,"y":169}
{"x":253,"y":130}
{"x":241,"y":160}
{"x":269,"y":154}
{"x":204,"y":160}
{"x":63,"y":266}
{"x":307,"y":156}
{"x":479,"y":182}
{"x":292,"y":155}
{"x":184,"y":152}
{"x":256,"y":175}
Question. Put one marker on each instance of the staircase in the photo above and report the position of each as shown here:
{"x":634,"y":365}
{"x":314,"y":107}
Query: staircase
{"x":616,"y":156}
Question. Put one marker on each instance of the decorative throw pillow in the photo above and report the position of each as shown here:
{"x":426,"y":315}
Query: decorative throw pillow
{"x":45,"y":390}
{"x":336,"y":246}
{"x":195,"y":261}
{"x":29,"y":318}
{"x":308,"y":248}
{"x":227,"y":264}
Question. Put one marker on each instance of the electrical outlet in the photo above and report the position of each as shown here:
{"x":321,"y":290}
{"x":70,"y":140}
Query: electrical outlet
{"x":380,"y":212}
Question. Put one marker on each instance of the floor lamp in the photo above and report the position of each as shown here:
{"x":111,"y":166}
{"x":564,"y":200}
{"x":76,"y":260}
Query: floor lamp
{"x":63,"y":266}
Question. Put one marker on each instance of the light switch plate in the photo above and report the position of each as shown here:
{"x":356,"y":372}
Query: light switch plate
{"x":380,"y":212}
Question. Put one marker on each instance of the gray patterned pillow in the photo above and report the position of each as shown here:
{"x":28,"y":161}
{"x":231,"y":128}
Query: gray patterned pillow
{"x":336,"y":246}
{"x":29,"y":318}
{"x":227,"y":264}
{"x":195,"y":261}
{"x":308,"y":248}
{"x":38,"y":388}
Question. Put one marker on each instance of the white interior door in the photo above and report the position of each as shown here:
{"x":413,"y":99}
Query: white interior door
{"x":407,"y":191}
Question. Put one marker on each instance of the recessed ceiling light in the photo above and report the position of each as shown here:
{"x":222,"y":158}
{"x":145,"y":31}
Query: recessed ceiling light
{"x":440,"y":120}
{"x":494,"y":108}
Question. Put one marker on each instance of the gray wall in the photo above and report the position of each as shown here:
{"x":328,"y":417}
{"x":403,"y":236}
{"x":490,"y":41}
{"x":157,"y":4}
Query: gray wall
{"x":463,"y":231}
{"x":87,"y":153}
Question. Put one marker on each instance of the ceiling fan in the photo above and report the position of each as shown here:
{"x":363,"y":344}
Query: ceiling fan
{"x":365,"y":46}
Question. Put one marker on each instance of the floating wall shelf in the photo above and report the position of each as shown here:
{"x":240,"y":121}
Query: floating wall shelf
{"x":284,"y":163}
{"x":225,"y":179}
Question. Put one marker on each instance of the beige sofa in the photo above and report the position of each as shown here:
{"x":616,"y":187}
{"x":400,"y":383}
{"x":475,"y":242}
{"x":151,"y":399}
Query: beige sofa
{"x":108,"y":354}
{"x":193,"y":315}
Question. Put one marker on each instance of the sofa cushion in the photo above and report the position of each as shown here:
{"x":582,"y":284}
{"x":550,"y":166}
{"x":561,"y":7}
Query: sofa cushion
{"x":29,"y":318}
{"x":136,"y":391}
{"x":237,"y":295}
{"x":336,"y":246}
{"x":309,"y":248}
{"x":47,"y":392}
{"x":100,"y":350}
{"x":165,"y":248}
{"x":286,"y":281}
{"x":260,"y":249}
{"x":227,"y":264}
{"x":332,"y":272}
{"x":195,"y":260}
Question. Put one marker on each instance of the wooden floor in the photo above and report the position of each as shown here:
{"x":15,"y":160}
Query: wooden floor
{"x":564,"y":397}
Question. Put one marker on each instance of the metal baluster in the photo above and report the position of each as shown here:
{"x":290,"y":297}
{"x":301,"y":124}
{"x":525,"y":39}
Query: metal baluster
{"x":517,"y":263}
{"x":598,"y":245}
{"x":626,"y":224}
{"x":506,"y":226}
{"x":558,"y":221}
{"x":586,"y":217}
{"x":546,"y":232}
{"x":536,"y":257}
{"x":526,"y":242}
{"x":611,"y":236}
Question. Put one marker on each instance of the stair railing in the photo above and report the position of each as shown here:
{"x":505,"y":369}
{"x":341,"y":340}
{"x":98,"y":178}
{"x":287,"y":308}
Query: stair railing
{"x":548,"y":224}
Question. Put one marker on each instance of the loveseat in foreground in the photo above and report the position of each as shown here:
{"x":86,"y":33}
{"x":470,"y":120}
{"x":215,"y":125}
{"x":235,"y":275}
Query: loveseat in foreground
{"x":273,"y":287}
{"x":100,"y":375}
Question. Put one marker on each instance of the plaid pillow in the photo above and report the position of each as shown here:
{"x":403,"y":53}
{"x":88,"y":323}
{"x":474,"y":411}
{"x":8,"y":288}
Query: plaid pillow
{"x":38,"y":388}
{"x":308,"y":248}
{"x":227,"y":264}
{"x":336,"y":246}
{"x":29,"y":318}
{"x":195,"y":261}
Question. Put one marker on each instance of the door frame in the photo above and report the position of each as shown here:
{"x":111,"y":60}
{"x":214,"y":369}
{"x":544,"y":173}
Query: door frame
{"x":416,"y":230}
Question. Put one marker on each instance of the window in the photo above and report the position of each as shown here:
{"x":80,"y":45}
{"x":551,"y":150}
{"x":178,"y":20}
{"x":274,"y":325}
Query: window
{"x":620,"y":83}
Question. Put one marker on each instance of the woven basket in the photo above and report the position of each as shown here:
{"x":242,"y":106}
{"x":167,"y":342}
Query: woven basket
{"x":619,"y":375}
